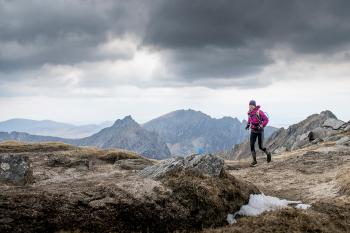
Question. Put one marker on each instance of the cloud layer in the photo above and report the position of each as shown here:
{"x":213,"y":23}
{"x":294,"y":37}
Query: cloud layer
{"x":197,"y":40}
{"x":127,"y":50}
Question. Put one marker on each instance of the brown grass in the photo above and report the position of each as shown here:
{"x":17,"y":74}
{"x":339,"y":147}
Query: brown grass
{"x":343,"y":179}
{"x":109,"y":155}
{"x":323,"y":217}
{"x":208,"y":199}
{"x":18,"y":147}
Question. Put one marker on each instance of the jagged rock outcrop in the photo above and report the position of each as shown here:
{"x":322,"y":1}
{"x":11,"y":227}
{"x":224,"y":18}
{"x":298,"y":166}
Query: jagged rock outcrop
{"x":15,"y":169}
{"x":314,"y":129}
{"x":334,"y":124}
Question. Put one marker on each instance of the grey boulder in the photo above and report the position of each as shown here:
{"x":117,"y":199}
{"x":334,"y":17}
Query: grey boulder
{"x":320,"y":133}
{"x":333,"y":123}
{"x":343,"y":140}
{"x":207,"y":164}
{"x":15,"y":169}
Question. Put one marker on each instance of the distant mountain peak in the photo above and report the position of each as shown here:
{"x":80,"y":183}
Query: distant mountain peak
{"x":328,"y":113}
{"x":188,"y":131}
{"x":127,"y":120}
{"x":187,"y":112}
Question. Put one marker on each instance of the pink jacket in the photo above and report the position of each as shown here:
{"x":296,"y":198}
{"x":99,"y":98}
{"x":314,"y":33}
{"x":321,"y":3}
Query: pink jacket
{"x":253,"y":119}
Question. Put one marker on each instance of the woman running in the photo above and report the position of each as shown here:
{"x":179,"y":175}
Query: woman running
{"x":257,"y":120}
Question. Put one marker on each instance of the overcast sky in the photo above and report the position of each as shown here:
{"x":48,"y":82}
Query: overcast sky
{"x":87,"y":61}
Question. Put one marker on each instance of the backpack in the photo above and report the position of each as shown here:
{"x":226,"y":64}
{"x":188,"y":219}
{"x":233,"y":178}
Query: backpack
{"x":258,"y":115}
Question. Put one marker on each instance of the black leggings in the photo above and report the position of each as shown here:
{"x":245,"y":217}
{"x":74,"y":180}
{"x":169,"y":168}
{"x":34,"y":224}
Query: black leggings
{"x":260,"y":136}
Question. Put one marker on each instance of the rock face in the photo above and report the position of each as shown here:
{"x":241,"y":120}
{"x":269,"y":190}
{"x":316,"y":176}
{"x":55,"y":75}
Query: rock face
{"x":15,"y":169}
{"x":314,"y":129}
{"x":104,"y":197}
{"x":206,"y":164}
{"x":334,"y":124}
{"x":188,"y":131}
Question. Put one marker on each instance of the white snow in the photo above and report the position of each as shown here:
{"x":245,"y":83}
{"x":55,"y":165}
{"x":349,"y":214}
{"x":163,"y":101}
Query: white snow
{"x":303,"y":206}
{"x":231,"y":219}
{"x":259,"y":203}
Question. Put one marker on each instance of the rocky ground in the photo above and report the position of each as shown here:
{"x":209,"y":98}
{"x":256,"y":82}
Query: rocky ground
{"x":314,"y":129}
{"x":53,"y":187}
{"x":318,"y":175}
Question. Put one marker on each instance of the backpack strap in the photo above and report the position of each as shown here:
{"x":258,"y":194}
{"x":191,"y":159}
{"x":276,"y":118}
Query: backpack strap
{"x":258,"y":116}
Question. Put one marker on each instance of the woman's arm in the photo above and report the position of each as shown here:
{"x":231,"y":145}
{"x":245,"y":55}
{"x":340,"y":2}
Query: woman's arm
{"x":248,"y":124}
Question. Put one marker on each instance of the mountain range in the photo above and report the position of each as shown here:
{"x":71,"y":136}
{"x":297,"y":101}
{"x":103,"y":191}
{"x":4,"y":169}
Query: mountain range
{"x":124,"y":134}
{"x":189,"y":131}
{"x":52,"y":128}
{"x":180,"y":132}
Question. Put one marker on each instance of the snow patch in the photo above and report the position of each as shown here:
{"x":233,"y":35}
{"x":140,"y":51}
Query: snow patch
{"x":259,"y":203}
{"x":231,"y":219}
{"x":303,"y":206}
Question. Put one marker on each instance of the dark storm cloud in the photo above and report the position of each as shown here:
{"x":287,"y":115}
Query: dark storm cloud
{"x":213,"y":61}
{"x":243,"y":32}
{"x":33,"y":33}
{"x":235,"y":23}
{"x":198,"y":39}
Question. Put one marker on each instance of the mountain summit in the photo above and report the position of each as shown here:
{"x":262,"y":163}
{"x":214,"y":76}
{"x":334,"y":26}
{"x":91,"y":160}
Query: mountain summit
{"x":127,"y":133}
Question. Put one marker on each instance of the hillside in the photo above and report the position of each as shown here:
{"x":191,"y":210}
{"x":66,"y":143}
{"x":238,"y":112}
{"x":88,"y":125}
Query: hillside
{"x":53,"y":187}
{"x":321,"y":126}
{"x":89,"y":189}
{"x":59,"y":187}
{"x":128,"y":134}
{"x":318,"y":174}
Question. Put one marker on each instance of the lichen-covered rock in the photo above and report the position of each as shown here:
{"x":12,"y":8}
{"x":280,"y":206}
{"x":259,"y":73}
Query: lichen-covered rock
{"x":343,"y":140}
{"x":163,"y":168}
{"x":133,"y":164}
{"x":347,"y":127}
{"x":333,"y":123}
{"x":207,"y":164}
{"x":15,"y":169}
{"x":320,"y":133}
{"x":299,"y":144}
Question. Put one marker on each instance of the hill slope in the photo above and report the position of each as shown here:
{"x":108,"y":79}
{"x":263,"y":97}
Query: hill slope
{"x":128,"y":134}
{"x":294,"y":137}
{"x":318,"y":174}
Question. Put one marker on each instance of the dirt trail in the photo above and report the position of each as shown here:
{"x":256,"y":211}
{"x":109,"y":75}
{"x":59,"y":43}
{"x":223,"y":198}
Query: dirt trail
{"x":308,"y":174}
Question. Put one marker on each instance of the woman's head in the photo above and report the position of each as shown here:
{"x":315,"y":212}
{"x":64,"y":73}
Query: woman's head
{"x":252,"y":104}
